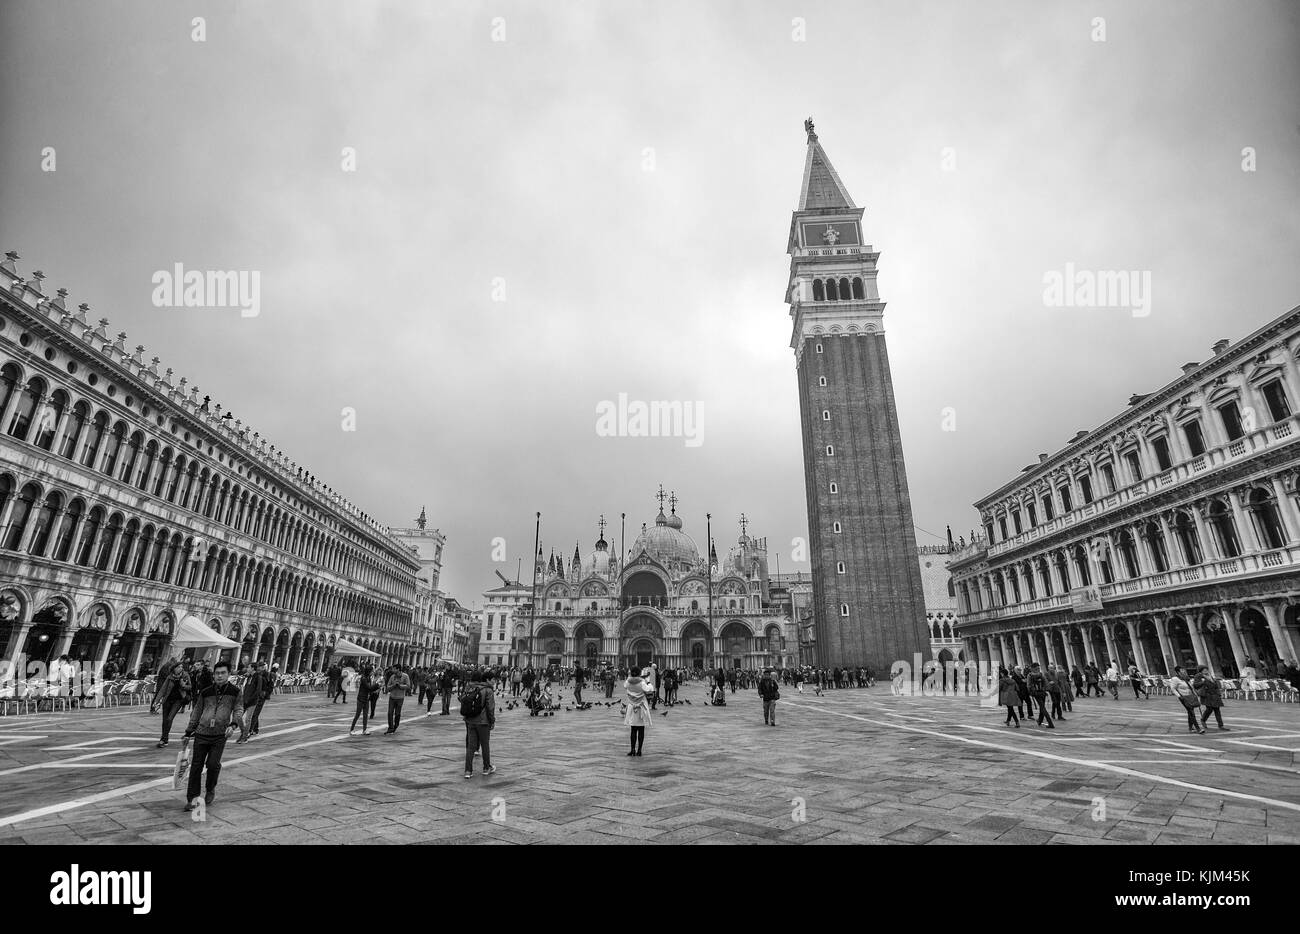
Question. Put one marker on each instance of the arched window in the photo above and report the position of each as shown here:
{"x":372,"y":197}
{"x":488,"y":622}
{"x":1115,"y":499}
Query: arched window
{"x":94,"y":522}
{"x":107,"y":541}
{"x":1080,"y":556}
{"x":48,"y":423}
{"x":71,"y":436}
{"x":832,"y":291}
{"x":9,"y":376}
{"x":819,"y":348}
{"x":113,"y":447}
{"x":821,"y":381}
{"x":131,"y":457}
{"x":129,"y":536}
{"x":21,"y":422}
{"x":1264,"y":515}
{"x":844,"y":609}
{"x":1128,"y":551}
{"x":45,"y":521}
{"x":830,"y":450}
{"x":844,"y":289}
{"x":142,"y":552}
{"x":839,"y":567}
{"x":1225,"y":530}
{"x":857,"y":287}
{"x":68,"y":531}
{"x":161,"y":482}
{"x":90,"y":451}
{"x":1188,"y":539}
{"x":177,"y":474}
{"x":835,"y":487}
{"x":826,"y":415}
{"x":819,"y":294}
{"x":1062,"y":568}
{"x":1155,"y":538}
{"x":22,"y":514}
{"x":836,"y":528}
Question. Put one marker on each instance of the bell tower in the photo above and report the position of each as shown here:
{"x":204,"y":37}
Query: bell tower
{"x":868,"y":601}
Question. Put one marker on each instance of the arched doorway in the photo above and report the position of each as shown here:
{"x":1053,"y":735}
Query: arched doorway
{"x":126,"y":640}
{"x":160,"y":633}
{"x":696,"y":644}
{"x":550,"y":645}
{"x":1214,"y":629}
{"x":92,"y":631}
{"x":43,"y":637}
{"x":1124,"y":646}
{"x":587,"y":642}
{"x":266,"y":645}
{"x":1097,"y":651}
{"x":11,"y":615}
{"x":642,"y":638}
{"x":736,"y":638}
{"x":1180,"y":643}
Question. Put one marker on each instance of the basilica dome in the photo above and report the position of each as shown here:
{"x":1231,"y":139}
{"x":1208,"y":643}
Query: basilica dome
{"x":667,"y":544}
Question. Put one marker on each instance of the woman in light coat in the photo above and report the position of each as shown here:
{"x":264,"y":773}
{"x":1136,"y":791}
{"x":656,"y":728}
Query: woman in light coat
{"x":637,"y":715}
{"x":1187,"y":696}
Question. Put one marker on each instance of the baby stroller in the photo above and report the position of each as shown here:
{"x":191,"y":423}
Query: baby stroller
{"x":718,"y":696}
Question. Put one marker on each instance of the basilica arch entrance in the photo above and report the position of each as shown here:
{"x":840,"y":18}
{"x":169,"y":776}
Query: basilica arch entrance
{"x":641,"y":653}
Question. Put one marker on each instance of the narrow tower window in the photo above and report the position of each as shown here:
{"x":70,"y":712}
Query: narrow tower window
{"x":830,"y":450}
{"x":839,"y":567}
{"x":832,"y":291}
{"x":857,"y":287}
{"x":819,"y":348}
{"x":821,"y":381}
{"x":826,"y":415}
{"x":819,"y":294}
{"x":836,"y":528}
{"x":835,"y":487}
{"x":844,"y":609}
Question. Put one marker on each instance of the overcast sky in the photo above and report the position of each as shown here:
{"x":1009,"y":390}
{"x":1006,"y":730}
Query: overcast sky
{"x":627,"y":172}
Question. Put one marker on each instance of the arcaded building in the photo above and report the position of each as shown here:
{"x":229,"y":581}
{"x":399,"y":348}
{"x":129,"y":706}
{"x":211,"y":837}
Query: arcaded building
{"x":1169,"y":535}
{"x":130,"y":502}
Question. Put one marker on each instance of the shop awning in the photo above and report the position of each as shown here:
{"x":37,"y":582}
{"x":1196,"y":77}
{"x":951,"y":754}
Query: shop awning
{"x":344,"y":647}
{"x":192,"y":632}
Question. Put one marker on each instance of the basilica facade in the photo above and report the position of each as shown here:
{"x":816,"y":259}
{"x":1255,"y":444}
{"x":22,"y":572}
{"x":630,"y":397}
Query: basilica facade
{"x":665,"y":603}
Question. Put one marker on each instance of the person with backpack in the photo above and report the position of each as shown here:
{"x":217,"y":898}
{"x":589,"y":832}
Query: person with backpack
{"x":1037,"y":685}
{"x":478,"y":710}
{"x":399,"y":683}
{"x":1135,"y":678}
{"x":365,"y":680}
{"x":770,"y":693}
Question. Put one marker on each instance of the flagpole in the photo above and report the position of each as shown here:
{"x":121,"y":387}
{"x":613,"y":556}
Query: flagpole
{"x":708,"y":566}
{"x":532,"y":610}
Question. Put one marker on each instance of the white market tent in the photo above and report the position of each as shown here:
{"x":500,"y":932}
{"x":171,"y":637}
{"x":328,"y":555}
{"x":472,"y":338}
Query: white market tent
{"x":344,"y":647}
{"x":192,"y":633}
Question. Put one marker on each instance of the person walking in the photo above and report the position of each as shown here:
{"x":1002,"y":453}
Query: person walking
{"x":1037,"y":684}
{"x":770,"y":693}
{"x":1187,"y":696}
{"x":1135,"y":678}
{"x":347,"y":682}
{"x":364,"y":690}
{"x":217,"y":711}
{"x":376,"y":684}
{"x":1208,"y":690}
{"x":1008,"y":695}
{"x":579,"y":678}
{"x":638,"y":715}
{"x":478,"y":710}
{"x":263,"y":684}
{"x":1112,"y":679}
{"x":1022,"y":691}
{"x":1077,"y":677}
{"x":1054,"y":690}
{"x":650,"y":676}
{"x":250,"y":694}
{"x":399,"y":683}
{"x":172,"y":694}
{"x":1092,"y":676}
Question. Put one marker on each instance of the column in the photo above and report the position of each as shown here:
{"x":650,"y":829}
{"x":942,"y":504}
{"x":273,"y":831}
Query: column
{"x":1162,"y":633}
{"x":137,"y":654}
{"x":1245,"y":528}
{"x":1203,"y":654}
{"x":1172,"y":551}
{"x":1239,"y":652}
{"x":1287,"y":640}
{"x":1110,"y":641}
{"x":65,"y":640}
{"x":16,"y":642}
{"x":1209,"y":547}
{"x":1139,"y":651}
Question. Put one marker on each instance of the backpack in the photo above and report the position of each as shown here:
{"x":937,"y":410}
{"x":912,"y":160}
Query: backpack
{"x":471,"y":703}
{"x":1037,"y":683}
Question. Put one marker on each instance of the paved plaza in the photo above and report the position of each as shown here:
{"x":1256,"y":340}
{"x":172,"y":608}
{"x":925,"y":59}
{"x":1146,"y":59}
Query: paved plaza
{"x":852,"y":766}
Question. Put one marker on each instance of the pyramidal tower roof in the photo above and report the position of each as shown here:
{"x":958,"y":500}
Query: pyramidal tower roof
{"x":822,"y":188}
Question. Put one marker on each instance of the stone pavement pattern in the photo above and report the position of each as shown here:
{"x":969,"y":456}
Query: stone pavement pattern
{"x":852,"y":766}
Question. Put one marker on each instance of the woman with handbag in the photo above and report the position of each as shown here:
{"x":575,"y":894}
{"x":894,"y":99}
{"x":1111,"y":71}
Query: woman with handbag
{"x":1187,"y":696}
{"x":1207,"y":689}
{"x":1008,"y":696}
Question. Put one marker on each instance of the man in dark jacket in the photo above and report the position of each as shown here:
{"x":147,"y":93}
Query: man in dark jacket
{"x":399,"y":682}
{"x":768,"y":690}
{"x":173,"y":693}
{"x":257,"y":689}
{"x":217,"y":711}
{"x":579,"y":678}
{"x":1037,"y":684}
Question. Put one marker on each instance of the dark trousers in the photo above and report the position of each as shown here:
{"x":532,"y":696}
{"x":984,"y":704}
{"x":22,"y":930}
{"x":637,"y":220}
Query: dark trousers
{"x":476,"y":737}
{"x":1056,"y":705}
{"x":1011,"y":714}
{"x":253,"y":727}
{"x":394,"y":712}
{"x":1042,"y":708}
{"x":420,"y":697}
{"x":207,"y":752}
{"x":1191,"y":715}
{"x":169,"y":710}
{"x":577,"y":693}
{"x":1138,"y":689}
{"x":374,"y":702}
{"x":769,"y":711}
{"x":428,"y":699}
{"x":1078,"y":690}
{"x":363,"y":708}
{"x":514,"y":688}
{"x":638,"y":738}
{"x":609,"y":688}
{"x":1093,"y":686}
{"x":1218,"y":717}
{"x":446,"y":700}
